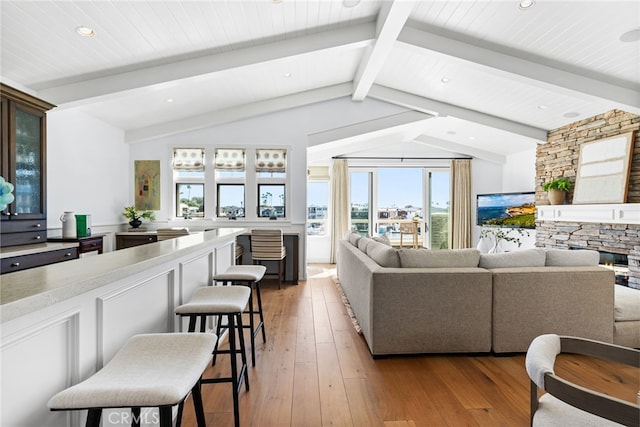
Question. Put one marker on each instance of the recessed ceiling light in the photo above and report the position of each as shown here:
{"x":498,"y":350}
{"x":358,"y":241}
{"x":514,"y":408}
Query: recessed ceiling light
{"x":542,"y":107}
{"x":472,"y":138}
{"x":525,"y":4}
{"x":350,"y":3}
{"x":169,"y":100}
{"x":571,"y":114}
{"x":631,"y":36}
{"x":445,"y":80}
{"x":277,"y":1}
{"x":286,"y":75}
{"x":85,"y":31}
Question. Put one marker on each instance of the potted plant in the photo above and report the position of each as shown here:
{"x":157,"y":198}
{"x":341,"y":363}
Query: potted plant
{"x":557,"y":189}
{"x":135,"y":216}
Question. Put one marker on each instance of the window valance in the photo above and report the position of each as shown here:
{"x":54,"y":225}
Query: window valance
{"x":230,"y":159}
{"x":272,"y":160}
{"x":188,"y":159}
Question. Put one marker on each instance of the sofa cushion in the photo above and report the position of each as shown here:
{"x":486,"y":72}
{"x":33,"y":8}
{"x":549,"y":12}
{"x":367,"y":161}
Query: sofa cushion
{"x":383,"y":239}
{"x":566,"y":257}
{"x":363,"y":242}
{"x":354,"y":237}
{"x":421,"y":258}
{"x":383,"y":254}
{"x":627,"y":304}
{"x":524,"y":258}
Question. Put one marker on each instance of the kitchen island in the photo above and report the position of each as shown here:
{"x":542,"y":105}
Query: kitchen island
{"x":60,"y":323}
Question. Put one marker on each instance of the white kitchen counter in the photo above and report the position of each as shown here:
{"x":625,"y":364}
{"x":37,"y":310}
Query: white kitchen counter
{"x":62,"y":322}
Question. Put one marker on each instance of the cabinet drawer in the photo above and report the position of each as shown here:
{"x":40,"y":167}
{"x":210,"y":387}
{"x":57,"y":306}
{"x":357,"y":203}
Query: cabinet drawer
{"x":24,"y":238}
{"x":88,"y":245}
{"x":123,"y":241}
{"x":23,"y":262}
{"x":19,"y":226}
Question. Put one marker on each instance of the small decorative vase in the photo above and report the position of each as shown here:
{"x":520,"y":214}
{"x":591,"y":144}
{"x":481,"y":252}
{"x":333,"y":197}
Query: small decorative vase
{"x":557,"y":197}
{"x":135,"y":223}
{"x":496,"y":247}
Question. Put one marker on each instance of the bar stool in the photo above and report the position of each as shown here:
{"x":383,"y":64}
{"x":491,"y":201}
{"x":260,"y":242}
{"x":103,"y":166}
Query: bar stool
{"x":247,"y":275}
{"x":229,"y":302}
{"x":151,"y":370}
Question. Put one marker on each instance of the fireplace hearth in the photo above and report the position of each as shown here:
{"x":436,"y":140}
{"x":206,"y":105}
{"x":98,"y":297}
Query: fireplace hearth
{"x":618,"y":244}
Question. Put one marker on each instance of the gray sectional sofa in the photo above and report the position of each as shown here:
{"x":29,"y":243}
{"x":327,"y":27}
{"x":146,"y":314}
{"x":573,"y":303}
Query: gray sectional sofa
{"x":451,"y":301}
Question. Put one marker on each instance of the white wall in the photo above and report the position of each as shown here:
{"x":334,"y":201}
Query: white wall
{"x":519,"y":173}
{"x":288,"y":128}
{"x":86,"y":169}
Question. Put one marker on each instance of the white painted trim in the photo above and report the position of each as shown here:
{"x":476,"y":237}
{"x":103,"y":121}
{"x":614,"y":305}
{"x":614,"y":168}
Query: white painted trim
{"x":623,"y":213}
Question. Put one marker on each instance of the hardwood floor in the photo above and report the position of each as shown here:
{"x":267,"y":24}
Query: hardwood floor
{"x":315,"y":370}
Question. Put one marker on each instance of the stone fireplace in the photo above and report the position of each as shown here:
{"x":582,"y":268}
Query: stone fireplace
{"x":604,"y":228}
{"x":623,"y":239}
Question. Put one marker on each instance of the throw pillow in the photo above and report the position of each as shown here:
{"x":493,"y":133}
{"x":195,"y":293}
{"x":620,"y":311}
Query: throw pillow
{"x":420,"y":258}
{"x":523,"y":258}
{"x":383,"y":239}
{"x":566,"y":257}
{"x":384,"y":255}
{"x":363,"y":242}
{"x":354,"y":237}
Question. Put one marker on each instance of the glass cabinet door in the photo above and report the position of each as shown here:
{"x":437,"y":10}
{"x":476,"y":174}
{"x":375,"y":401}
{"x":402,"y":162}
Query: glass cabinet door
{"x":27,"y":153}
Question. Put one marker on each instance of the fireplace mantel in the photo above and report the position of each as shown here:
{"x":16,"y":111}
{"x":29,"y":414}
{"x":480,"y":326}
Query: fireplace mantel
{"x":623,"y":213}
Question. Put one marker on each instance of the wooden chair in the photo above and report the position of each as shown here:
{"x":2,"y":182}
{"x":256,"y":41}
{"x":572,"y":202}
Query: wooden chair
{"x":566,"y":403}
{"x":412,"y":229}
{"x":268,"y":245}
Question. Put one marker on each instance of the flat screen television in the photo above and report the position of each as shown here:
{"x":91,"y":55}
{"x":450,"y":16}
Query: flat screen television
{"x":517,"y":210}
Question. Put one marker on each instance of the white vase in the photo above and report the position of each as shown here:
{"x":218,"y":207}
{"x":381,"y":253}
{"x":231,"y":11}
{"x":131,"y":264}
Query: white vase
{"x":68,"y":225}
{"x":496,"y":248}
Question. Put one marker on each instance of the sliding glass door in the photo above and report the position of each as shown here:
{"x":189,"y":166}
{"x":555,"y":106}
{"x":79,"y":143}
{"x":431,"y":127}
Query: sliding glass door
{"x":400,"y":201}
{"x":409,"y":205}
{"x":438,"y":219}
{"x":360,"y":194}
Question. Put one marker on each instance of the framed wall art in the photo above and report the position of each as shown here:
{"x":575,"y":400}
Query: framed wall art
{"x":603,"y":170}
{"x":147,"y":184}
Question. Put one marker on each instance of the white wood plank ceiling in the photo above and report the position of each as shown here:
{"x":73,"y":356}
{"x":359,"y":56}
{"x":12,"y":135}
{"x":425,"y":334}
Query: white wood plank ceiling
{"x":512,"y":74}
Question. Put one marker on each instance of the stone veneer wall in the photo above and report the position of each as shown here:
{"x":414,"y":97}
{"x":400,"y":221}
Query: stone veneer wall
{"x":559,"y":157}
{"x":617,"y":238}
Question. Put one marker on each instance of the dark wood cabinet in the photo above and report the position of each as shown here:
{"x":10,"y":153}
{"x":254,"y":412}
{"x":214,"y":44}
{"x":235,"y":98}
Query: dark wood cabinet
{"x":23,"y":163}
{"x":87,"y":244}
{"x":22,"y":262}
{"x":129,"y":240}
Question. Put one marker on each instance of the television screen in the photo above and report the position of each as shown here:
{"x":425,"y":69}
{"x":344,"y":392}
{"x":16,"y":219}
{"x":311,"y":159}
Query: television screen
{"x":507,"y":209}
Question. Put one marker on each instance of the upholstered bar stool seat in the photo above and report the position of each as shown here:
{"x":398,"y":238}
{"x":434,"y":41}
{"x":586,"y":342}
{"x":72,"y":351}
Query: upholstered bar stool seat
{"x":151,"y":370}
{"x":248,"y":275}
{"x":229,"y":302}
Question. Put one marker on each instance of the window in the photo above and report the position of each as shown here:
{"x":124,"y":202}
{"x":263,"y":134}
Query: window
{"x":271,"y":174}
{"x":190,"y":198}
{"x":230,"y":200}
{"x":230,"y":178}
{"x":188,"y":174}
{"x":317,"y":205}
{"x":360,"y":183}
{"x":271,"y":201}
{"x":384,"y":200}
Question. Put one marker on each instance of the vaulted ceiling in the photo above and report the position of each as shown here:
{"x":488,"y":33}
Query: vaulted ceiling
{"x":480,"y":78}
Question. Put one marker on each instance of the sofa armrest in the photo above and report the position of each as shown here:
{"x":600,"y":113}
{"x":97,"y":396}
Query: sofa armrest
{"x":531,"y":301}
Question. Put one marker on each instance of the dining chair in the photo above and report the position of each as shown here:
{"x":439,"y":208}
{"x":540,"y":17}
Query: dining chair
{"x":170,"y":233}
{"x":268,"y":245}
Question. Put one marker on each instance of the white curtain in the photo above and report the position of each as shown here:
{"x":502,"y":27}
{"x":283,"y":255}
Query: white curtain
{"x":460,"y":223}
{"x":339,"y":204}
